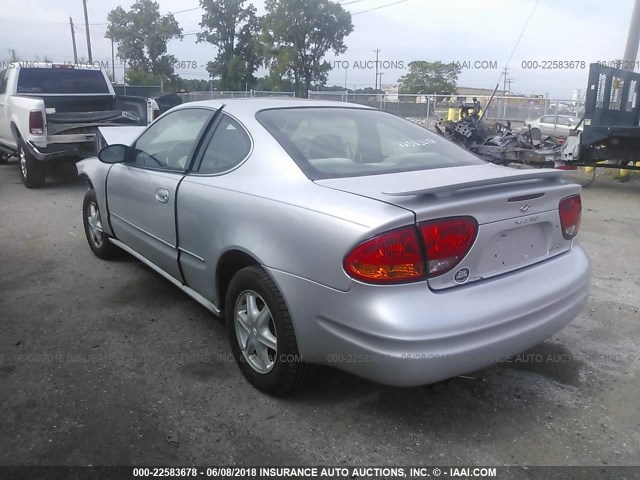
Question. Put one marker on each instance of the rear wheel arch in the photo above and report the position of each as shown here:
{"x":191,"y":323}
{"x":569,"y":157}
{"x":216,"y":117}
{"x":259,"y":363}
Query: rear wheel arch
{"x":16,"y":133}
{"x":230,"y":263}
{"x":273,"y":366}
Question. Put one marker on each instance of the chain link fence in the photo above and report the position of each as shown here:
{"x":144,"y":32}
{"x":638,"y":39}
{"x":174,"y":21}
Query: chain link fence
{"x":429,"y":109}
{"x":219,"y":95}
{"x":425,"y":109}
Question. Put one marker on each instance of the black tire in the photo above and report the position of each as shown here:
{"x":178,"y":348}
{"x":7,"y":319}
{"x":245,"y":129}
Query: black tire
{"x":97,"y":239}
{"x":32,"y":172}
{"x":288,"y":372}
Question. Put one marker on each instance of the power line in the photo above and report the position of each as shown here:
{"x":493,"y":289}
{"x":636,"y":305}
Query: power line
{"x":187,"y":10}
{"x":51,"y":22}
{"x":523,"y":30}
{"x":381,"y":6}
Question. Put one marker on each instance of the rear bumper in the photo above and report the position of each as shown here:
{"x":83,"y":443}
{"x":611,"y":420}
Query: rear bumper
{"x":408,"y":335}
{"x":77,"y":148}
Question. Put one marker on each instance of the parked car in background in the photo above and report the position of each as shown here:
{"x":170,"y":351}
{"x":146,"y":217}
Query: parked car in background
{"x":557,"y":126}
{"x":335,"y":234}
{"x":50,"y":111}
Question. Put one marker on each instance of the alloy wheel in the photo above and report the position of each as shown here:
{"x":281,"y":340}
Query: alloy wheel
{"x":255,"y":331}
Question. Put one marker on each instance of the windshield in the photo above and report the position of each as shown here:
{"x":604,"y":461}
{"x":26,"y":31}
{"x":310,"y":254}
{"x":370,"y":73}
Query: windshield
{"x":574,"y":120}
{"x":61,"y":81}
{"x":329,"y":142}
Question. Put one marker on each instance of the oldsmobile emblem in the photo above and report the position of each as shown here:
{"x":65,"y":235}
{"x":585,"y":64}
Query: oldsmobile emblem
{"x":461,"y":275}
{"x":525,"y":208}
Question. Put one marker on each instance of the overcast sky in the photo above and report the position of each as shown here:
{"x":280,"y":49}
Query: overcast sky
{"x":428,"y":30}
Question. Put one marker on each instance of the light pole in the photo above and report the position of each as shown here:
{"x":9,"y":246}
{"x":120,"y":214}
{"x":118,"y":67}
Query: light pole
{"x":86,"y":24}
{"x":73,"y":40}
{"x":633,"y":38}
{"x":377,"y":51}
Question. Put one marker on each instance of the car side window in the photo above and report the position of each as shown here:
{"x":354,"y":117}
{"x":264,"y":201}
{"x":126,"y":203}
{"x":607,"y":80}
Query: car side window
{"x":168,"y":143}
{"x":3,"y":81}
{"x":564,"y":122}
{"x":228,"y":147}
{"x":546,"y":120}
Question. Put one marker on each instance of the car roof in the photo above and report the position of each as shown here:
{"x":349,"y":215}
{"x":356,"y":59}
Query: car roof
{"x":250,"y":106}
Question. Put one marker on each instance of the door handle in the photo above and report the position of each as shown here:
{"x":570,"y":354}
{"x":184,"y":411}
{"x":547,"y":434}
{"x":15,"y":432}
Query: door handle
{"x":162,"y":195}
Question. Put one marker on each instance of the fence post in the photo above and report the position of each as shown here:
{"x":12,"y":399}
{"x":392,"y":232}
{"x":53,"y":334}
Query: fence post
{"x":428,"y":106}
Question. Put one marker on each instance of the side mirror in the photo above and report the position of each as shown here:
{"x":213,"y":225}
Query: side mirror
{"x":113,"y":153}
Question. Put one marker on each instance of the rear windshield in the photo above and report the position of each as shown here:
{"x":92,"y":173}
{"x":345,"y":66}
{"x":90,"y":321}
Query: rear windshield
{"x":329,"y":142}
{"x":61,"y":80}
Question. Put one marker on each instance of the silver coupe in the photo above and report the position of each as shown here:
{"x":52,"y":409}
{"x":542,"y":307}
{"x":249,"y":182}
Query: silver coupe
{"x":333,"y":234}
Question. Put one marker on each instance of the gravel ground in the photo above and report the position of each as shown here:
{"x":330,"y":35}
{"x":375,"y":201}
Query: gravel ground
{"x":106,"y":363}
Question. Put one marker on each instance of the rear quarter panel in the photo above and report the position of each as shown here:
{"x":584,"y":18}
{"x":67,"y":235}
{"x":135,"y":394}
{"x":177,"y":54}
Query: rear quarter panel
{"x":18,"y":115}
{"x":270,"y":210}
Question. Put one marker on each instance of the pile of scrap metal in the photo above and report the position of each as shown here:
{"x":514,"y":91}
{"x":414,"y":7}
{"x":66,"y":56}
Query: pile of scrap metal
{"x":611,"y":131}
{"x":497,"y":142}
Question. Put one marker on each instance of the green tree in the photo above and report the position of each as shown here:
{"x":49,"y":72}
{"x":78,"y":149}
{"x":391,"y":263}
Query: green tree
{"x":301,"y":32}
{"x":142,"y":35}
{"x":274,"y":83}
{"x":430,"y":77}
{"x":142,"y":77}
{"x":234,"y":29}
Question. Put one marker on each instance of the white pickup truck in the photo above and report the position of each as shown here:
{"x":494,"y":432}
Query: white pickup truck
{"x":50,"y":111}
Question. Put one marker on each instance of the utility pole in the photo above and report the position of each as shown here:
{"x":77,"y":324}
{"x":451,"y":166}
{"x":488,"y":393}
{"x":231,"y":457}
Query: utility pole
{"x":510,"y":81}
{"x":13,"y":54}
{"x":113,"y":62}
{"x":73,"y":39}
{"x":380,"y":84}
{"x":124,"y":74}
{"x":377,"y":50}
{"x":630,"y":57}
{"x":633,"y":38}
{"x":505,"y":72}
{"x":86,"y":24}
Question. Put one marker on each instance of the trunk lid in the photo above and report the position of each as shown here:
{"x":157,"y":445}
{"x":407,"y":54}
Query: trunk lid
{"x":516,"y":211}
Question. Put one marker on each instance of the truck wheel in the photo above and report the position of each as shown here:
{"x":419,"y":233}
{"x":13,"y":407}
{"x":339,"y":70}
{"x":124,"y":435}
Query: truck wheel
{"x":32,"y":171}
{"x":261,"y":334}
{"x":92,"y":221}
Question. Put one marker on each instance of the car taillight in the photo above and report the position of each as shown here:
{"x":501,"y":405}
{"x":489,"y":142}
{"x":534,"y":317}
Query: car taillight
{"x":391,"y":257}
{"x":446,"y":242}
{"x":36,"y":122}
{"x":570,"y":210}
{"x":156,"y":113}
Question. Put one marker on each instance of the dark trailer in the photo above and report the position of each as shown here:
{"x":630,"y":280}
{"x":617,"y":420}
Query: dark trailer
{"x":611,"y":121}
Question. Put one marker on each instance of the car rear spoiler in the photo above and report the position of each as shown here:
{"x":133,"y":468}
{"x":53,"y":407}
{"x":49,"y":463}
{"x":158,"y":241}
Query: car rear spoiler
{"x":489,"y":181}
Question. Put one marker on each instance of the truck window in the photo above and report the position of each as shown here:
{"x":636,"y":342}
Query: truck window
{"x":61,"y":81}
